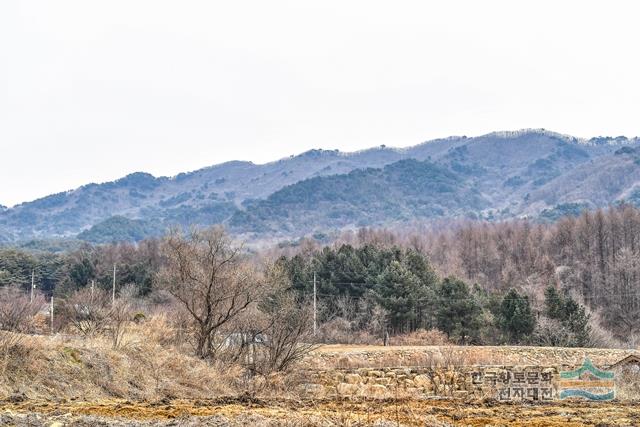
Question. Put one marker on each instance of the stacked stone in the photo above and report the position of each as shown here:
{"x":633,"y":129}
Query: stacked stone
{"x":500,"y":382}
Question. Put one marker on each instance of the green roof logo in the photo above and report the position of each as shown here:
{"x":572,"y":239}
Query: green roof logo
{"x":587,"y":382}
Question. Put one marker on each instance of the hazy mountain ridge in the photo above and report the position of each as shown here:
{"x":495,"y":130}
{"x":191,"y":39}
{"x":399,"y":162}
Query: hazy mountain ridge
{"x":499,"y":175}
{"x":207,"y":194}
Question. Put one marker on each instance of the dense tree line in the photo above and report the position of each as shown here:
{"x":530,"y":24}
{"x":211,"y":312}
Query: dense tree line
{"x":401,"y":281}
{"x":593,"y":258}
{"x":62,"y":273}
{"x":400,"y":287}
{"x":207,"y":296}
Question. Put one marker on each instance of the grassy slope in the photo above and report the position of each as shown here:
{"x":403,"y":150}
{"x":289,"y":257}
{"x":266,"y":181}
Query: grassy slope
{"x":42,"y":367}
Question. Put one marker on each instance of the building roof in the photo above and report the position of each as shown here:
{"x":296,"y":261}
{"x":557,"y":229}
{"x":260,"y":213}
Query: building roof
{"x":632,"y":359}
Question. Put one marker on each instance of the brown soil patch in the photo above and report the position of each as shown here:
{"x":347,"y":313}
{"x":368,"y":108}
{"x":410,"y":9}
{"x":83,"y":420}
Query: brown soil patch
{"x":355,"y":412}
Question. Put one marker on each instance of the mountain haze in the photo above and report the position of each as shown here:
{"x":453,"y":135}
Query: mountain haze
{"x":533,"y":173}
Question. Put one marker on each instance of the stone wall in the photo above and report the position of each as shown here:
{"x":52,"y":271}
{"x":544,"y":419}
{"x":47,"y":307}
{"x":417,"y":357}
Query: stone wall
{"x":501,"y":373}
{"x":499,"y":382}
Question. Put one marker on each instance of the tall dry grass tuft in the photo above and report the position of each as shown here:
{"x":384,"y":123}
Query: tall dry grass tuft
{"x":18,"y":310}
{"x":421,"y":337}
{"x":21,"y":358}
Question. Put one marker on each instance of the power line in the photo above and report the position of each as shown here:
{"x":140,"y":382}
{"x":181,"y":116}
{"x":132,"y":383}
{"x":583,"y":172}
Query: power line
{"x":505,"y":298}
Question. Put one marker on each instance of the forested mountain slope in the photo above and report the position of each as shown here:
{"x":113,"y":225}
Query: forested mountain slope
{"x":402,"y":191}
{"x":500,"y":175}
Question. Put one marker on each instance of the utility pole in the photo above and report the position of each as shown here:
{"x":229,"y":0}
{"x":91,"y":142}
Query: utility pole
{"x":113,"y":290}
{"x":33,"y":282}
{"x":315,"y":310}
{"x":93,"y":284}
{"x":51,"y":312}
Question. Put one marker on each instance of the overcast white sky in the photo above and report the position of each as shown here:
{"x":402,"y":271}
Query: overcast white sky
{"x":93,"y":90}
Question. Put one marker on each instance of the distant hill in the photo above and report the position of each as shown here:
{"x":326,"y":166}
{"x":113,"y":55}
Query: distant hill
{"x":533,"y":173}
{"x":118,"y":229}
{"x":402,"y":191}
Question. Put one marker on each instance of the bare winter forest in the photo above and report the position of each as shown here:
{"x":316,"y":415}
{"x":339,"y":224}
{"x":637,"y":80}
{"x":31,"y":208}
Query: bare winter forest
{"x":594,"y":258}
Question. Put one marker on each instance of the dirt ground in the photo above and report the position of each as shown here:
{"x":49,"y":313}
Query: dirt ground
{"x":330,"y":412}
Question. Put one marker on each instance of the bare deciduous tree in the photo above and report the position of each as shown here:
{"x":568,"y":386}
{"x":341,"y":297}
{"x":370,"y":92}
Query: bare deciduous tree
{"x":207,"y":274}
{"x":119,"y":317}
{"x":17,"y":312}
{"x":287,"y":332}
{"x":277,"y":331}
{"x":88,"y":311}
{"x":622,"y":297}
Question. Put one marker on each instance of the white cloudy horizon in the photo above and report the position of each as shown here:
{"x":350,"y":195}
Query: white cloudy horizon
{"x":92,"y":91}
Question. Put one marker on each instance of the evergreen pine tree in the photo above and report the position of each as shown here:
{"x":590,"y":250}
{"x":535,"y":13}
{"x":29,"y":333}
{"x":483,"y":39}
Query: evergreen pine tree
{"x":572,"y":315}
{"x":515,"y":317}
{"x":458,"y":313}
